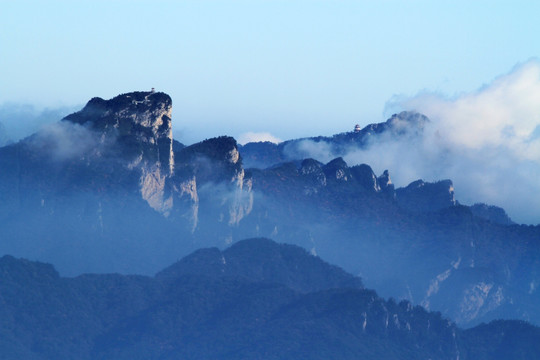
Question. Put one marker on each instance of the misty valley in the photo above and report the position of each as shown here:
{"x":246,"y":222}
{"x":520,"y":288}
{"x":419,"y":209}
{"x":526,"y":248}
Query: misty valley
{"x":120,"y":242}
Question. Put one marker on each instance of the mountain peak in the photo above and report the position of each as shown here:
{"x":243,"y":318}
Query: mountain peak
{"x":139,"y":124}
{"x":133,"y":119}
{"x":139,"y":107}
{"x":261,"y":259}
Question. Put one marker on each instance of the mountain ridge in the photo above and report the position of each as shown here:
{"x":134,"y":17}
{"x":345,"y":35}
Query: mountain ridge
{"x":87,"y":200}
{"x":198,"y":316}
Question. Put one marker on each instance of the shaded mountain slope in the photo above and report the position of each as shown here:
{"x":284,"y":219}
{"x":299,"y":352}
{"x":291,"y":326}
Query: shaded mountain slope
{"x":262,"y":260}
{"x":182,"y":314}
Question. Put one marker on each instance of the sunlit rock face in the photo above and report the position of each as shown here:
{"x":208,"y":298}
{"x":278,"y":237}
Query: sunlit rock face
{"x":315,"y":179}
{"x":134,"y":130}
{"x":139,"y":124}
{"x":337,"y":170}
{"x":223,"y":189}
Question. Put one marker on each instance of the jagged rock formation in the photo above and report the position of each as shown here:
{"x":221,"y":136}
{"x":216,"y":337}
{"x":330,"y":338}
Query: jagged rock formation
{"x":95,"y":169}
{"x":366,"y":177}
{"x":422,"y":196}
{"x":314,"y":174}
{"x":337,"y":170}
{"x":139,"y":124}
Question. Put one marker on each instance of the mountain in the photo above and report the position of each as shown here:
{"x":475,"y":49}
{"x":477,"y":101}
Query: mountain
{"x":416,"y":243}
{"x":290,"y":305}
{"x":492,"y":213}
{"x":108,"y":190}
{"x":4,"y":138}
{"x":259,"y":260}
{"x":407,"y":124}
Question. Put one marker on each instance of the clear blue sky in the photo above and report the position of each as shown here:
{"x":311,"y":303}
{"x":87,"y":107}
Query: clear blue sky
{"x":291,"y":68}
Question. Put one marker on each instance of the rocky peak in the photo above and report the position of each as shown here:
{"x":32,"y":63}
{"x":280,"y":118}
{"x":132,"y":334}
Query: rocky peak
{"x":312,"y":171}
{"x":217,"y":161}
{"x":407,"y":121}
{"x":492,"y":213}
{"x":310,"y":166}
{"x":140,"y":122}
{"x":337,"y":169}
{"x":365,"y":176}
{"x":384,"y":180}
{"x":425,"y":196}
{"x":213,"y":160}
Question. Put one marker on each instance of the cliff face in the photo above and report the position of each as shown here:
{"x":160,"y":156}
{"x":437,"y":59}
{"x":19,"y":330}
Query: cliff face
{"x":110,"y":179}
{"x":139,"y":123}
{"x":421,"y":196}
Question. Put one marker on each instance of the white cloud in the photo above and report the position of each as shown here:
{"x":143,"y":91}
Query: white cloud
{"x":503,"y":113}
{"x":65,"y":140}
{"x":257,"y":137}
{"x":487,"y":142}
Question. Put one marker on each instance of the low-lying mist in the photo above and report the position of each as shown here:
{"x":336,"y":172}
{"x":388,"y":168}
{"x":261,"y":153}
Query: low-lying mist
{"x":18,"y":121}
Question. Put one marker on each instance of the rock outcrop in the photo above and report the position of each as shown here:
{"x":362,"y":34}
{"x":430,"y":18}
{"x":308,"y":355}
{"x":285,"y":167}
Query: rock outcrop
{"x":420,"y":196}
{"x":139,"y":124}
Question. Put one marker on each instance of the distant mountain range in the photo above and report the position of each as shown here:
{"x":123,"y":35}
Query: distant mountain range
{"x":108,"y":189}
{"x":254,"y":300}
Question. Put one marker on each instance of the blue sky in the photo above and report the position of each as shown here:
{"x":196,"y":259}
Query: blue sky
{"x":290,"y":68}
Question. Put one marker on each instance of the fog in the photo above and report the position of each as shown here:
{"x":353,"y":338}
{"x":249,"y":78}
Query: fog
{"x":18,"y":121}
{"x":65,"y":140}
{"x":257,"y":137}
{"x":488,"y":142}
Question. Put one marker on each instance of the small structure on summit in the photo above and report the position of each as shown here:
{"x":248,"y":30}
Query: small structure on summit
{"x":357,"y":128}
{"x":153,"y":90}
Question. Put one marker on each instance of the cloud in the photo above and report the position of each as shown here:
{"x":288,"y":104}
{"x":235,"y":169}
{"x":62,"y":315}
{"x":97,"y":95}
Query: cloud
{"x":487,"y":142}
{"x":303,"y":149}
{"x":503,"y":113}
{"x":257,"y":137}
{"x":65,"y":140}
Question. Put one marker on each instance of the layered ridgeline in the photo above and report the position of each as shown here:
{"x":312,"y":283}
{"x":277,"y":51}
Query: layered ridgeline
{"x":406,"y":125}
{"x":254,"y":300}
{"x":108,"y":189}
